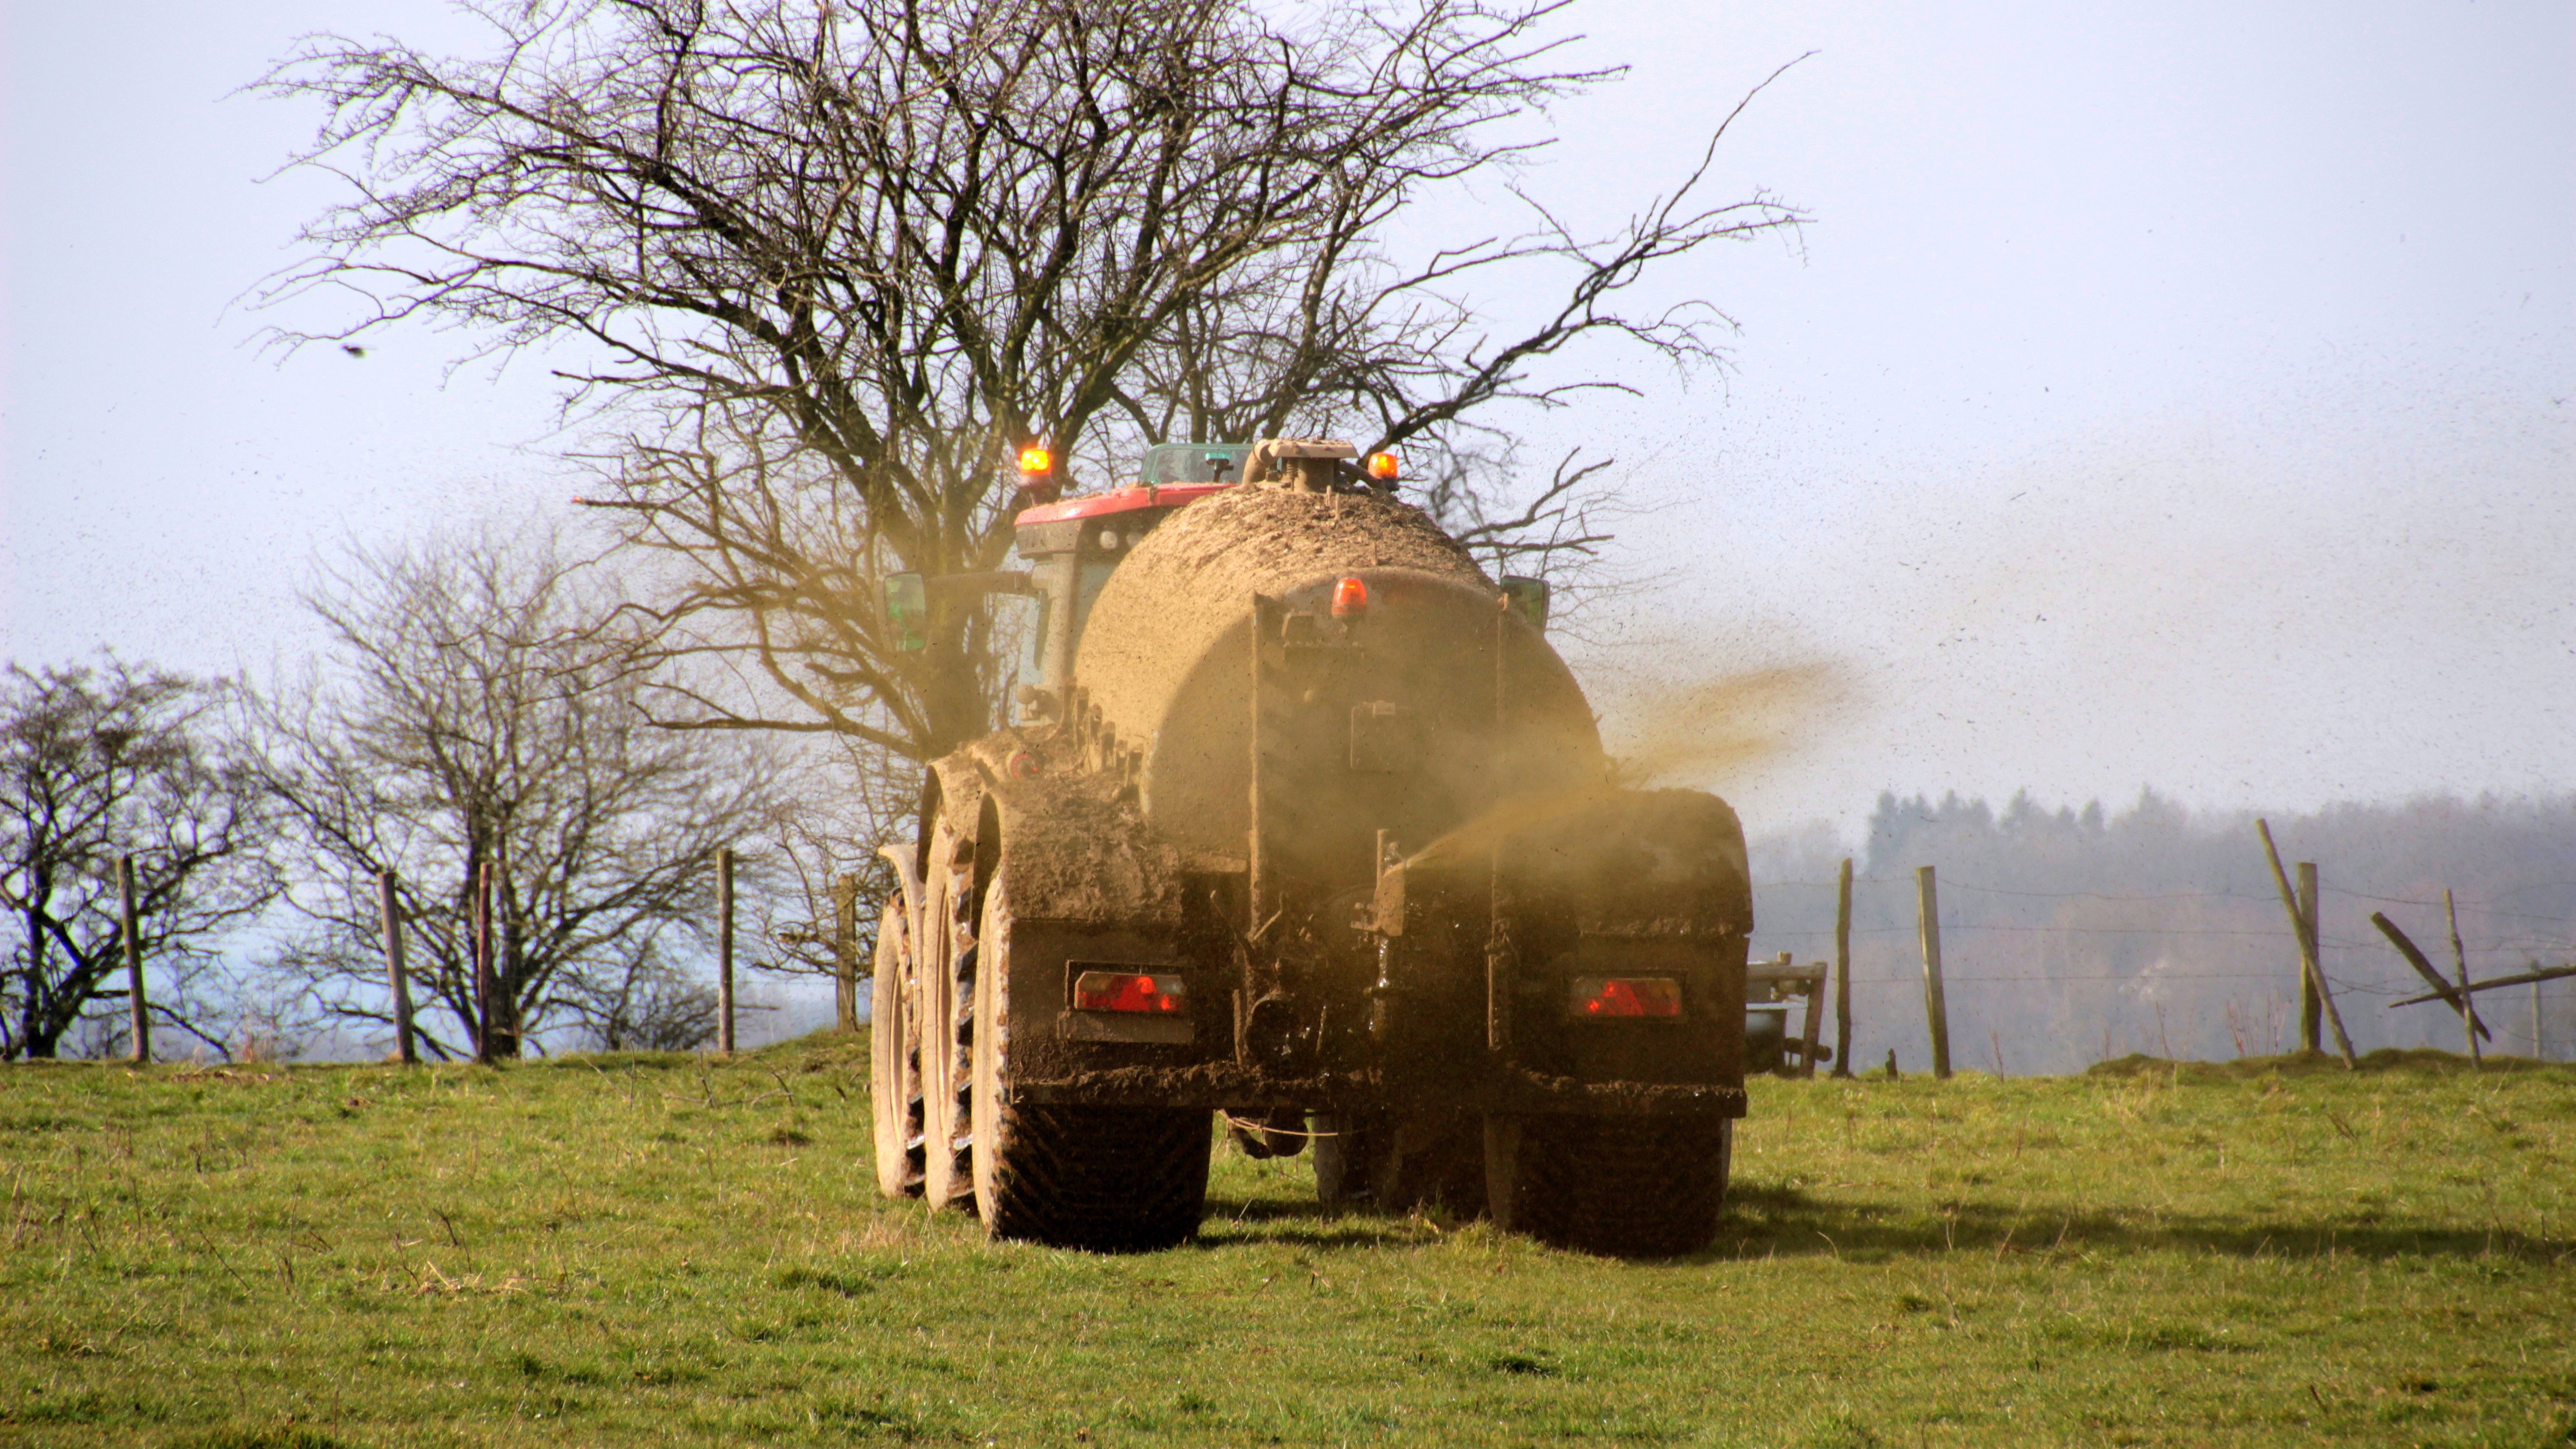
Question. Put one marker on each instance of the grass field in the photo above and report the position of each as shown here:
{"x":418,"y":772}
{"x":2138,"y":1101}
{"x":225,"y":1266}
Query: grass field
{"x":649,"y":1250}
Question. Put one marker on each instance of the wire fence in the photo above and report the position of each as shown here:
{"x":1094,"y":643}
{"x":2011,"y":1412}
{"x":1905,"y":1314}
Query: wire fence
{"x":2506,"y":931}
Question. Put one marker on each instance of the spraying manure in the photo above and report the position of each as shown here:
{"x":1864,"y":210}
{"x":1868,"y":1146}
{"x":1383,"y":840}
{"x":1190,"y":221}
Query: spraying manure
{"x":1302,"y":820}
{"x":1706,"y":730}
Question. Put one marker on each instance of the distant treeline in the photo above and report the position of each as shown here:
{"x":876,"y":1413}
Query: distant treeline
{"x":2069,"y":936}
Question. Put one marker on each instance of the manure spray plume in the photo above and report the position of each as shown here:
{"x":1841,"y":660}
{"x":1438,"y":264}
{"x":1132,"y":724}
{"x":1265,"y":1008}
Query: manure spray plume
{"x":1711,"y":730}
{"x":1701,"y":732}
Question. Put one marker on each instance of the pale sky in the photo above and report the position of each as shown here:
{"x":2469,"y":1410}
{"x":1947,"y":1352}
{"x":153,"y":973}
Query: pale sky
{"x":2170,"y":395}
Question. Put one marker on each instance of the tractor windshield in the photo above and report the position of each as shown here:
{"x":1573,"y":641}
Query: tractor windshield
{"x":1167,"y":463}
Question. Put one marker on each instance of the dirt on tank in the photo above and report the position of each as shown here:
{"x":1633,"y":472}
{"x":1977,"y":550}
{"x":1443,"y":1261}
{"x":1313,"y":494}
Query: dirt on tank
{"x":1191,"y":581}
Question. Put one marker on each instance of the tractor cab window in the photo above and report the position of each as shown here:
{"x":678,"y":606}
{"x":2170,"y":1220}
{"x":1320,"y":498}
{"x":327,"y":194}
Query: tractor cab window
{"x":1019,"y":628}
{"x":1095,"y":572}
{"x":1033,"y":615}
{"x":1167,"y":463}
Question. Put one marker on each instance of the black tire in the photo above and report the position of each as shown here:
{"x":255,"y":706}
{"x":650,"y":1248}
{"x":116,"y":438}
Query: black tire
{"x":1626,"y":1187}
{"x":894,"y":1058}
{"x":1101,"y":1179}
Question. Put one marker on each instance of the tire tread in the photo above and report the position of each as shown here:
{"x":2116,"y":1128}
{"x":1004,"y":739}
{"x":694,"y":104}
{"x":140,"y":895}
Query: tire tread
{"x":1103,"y":1179}
{"x":1624,"y":1187}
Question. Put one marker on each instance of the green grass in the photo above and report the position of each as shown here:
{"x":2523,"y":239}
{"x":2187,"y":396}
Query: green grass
{"x":647,"y":1250}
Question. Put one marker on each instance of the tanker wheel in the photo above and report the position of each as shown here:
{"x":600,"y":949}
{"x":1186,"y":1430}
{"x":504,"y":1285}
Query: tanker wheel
{"x":944,"y":992}
{"x":1426,"y":1159}
{"x":1102,"y":1179}
{"x":1627,"y":1187}
{"x":894,"y":1057}
{"x":1343,"y":1143}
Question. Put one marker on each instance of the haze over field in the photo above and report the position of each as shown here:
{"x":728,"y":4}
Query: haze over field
{"x":2171,"y":397}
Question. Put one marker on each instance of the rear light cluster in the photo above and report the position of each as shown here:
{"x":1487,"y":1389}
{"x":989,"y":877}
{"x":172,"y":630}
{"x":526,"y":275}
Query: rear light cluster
{"x":1606,"y":996}
{"x":1131,"y":991}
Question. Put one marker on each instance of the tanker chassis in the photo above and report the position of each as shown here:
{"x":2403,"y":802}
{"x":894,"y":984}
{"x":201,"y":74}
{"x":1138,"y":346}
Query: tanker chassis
{"x":1303,"y":822}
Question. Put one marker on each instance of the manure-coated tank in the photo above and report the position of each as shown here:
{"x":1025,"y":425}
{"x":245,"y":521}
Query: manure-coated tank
{"x":1305,"y":824}
{"x":1165,"y":658}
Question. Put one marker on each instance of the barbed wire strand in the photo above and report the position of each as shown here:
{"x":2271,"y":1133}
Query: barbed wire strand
{"x":1951,"y":884}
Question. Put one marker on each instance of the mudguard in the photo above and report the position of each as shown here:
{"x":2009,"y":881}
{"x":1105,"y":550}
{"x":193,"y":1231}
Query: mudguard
{"x":1078,"y":854}
{"x":1088,"y":882}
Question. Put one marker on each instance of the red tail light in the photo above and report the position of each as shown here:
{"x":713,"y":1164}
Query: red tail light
{"x":1602,"y":996}
{"x":1350,"y":597}
{"x":1130,"y":991}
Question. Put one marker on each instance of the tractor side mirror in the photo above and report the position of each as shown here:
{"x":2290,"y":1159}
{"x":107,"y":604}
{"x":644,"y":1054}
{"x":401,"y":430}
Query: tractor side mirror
{"x":907,"y":612}
{"x":1527,"y":598}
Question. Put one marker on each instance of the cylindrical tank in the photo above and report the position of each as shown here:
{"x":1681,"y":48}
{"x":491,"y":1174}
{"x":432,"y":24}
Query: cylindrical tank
{"x":1381,"y":718}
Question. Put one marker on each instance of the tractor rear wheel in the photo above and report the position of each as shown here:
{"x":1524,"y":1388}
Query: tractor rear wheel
{"x":944,"y":981}
{"x":1626,"y":1187}
{"x":894,"y":1057}
{"x":1102,"y":1179}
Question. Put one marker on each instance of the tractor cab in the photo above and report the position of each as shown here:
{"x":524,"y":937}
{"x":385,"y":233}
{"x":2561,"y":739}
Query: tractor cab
{"x":1072,"y":548}
{"x":1072,"y":545}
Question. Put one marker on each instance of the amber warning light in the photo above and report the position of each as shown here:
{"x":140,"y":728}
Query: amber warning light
{"x":1130,"y":991}
{"x":1350,"y":598}
{"x":1604,"y":996}
{"x":1036,"y":461}
{"x":1384,"y":468}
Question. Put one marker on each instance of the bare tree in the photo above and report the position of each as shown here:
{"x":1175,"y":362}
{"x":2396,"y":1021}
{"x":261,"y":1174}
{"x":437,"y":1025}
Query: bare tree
{"x":471,"y":717}
{"x":830,"y":265}
{"x":650,"y":1005}
{"x":95,"y":763}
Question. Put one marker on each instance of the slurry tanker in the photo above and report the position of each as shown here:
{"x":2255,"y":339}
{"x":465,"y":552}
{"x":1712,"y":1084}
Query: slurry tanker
{"x":1303,"y":822}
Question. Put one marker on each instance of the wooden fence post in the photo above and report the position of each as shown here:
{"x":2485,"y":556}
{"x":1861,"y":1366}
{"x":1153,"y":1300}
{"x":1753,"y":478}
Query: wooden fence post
{"x":2311,"y":1009}
{"x":724,"y":951}
{"x":1815,"y":1024}
{"x":132,"y":932}
{"x":2446,"y":991}
{"x":1842,"y":973}
{"x":484,"y":1015}
{"x":2456,"y":1000}
{"x":388,"y":905}
{"x":1935,"y":1008}
{"x":845,"y":952}
{"x":2303,"y":927}
{"x":2460,"y":963}
{"x":508,"y":951}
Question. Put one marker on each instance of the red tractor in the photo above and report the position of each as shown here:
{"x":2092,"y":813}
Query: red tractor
{"x":1304,"y":823}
